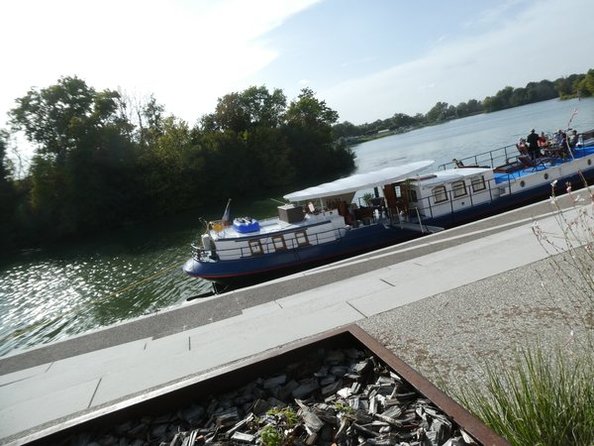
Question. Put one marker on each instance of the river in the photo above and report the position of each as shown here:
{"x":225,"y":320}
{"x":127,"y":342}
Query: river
{"x":50,"y":294}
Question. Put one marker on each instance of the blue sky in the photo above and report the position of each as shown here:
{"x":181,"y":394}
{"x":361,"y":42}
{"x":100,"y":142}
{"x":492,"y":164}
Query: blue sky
{"x":366,"y":59}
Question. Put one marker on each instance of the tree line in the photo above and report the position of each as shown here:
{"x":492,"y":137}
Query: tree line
{"x":102,"y":160}
{"x":575,"y":85}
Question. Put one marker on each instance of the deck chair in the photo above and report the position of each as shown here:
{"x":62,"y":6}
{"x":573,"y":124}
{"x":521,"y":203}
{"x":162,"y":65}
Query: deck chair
{"x":538,"y":163}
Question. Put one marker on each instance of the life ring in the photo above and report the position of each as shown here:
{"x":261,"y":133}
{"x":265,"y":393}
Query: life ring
{"x":217,"y":227}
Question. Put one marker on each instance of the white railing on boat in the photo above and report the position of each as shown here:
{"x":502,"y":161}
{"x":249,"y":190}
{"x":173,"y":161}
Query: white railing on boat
{"x":268,"y":246}
{"x":489,"y":159}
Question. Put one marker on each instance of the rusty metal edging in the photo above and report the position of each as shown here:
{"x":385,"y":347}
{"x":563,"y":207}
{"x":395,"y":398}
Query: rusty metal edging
{"x":455,"y":411}
{"x":236,"y":373}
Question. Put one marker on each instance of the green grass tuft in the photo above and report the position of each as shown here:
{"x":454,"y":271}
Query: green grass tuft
{"x":547,"y":399}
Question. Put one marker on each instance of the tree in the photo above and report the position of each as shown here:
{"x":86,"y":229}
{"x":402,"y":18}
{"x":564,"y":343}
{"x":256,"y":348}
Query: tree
{"x":308,"y":127}
{"x":307,"y":110}
{"x":254,"y":107}
{"x":566,"y":87}
{"x":150,"y":122}
{"x":518,"y":97}
{"x":268,"y":148}
{"x":51,"y":118}
{"x":82,"y":149}
{"x":585,"y":86}
{"x":540,"y":91}
{"x":402,"y":121}
{"x":8,"y":195}
{"x":345,"y":130}
{"x":438,"y":113}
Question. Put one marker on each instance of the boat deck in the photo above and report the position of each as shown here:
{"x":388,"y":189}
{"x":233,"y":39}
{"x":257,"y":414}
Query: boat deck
{"x":274,"y":225}
{"x":543,"y":163}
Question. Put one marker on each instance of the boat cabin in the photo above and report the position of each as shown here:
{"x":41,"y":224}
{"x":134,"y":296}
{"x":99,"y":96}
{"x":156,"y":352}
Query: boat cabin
{"x":440,"y":193}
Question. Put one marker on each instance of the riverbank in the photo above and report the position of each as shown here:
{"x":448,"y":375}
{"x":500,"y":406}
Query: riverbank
{"x":484,"y":297}
{"x":66,"y":291}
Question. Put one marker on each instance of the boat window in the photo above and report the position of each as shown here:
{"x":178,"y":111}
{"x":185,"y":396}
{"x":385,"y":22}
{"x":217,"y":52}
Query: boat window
{"x":279,"y":243}
{"x":439,"y":194}
{"x":459,"y":188}
{"x":301,"y":237}
{"x":256,"y":247}
{"x":412,"y":195}
{"x":478,"y":184}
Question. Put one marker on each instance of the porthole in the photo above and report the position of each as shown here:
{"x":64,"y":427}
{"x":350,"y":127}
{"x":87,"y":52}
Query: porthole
{"x":522,"y":183}
{"x":546,"y":176}
{"x":589,"y":162}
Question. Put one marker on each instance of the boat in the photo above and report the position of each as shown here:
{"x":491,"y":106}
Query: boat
{"x":303,"y":235}
{"x":492,"y":182}
{"x":322,"y":223}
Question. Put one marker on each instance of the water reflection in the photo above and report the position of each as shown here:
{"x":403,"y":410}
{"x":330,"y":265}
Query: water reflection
{"x":48,"y":295}
{"x":55,"y":293}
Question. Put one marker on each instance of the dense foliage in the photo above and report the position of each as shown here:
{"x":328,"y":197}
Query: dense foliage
{"x":576,"y":85}
{"x":101,"y":161}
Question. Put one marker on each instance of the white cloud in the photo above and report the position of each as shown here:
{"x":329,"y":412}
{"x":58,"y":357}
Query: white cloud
{"x":187,"y":53}
{"x":531,"y":46}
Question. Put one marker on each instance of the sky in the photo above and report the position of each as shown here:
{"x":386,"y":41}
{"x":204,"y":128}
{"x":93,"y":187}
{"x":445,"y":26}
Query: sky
{"x":368,"y":59}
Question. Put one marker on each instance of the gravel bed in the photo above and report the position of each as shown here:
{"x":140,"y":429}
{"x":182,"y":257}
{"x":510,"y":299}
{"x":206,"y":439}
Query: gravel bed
{"x":449,"y":337}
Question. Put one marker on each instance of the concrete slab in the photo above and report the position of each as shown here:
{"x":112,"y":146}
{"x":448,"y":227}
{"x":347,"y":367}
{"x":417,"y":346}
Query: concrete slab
{"x":95,"y":364}
{"x":335,"y":292}
{"x":266,"y":308}
{"x":48,"y":405}
{"x":173,"y":345}
{"x":454,"y":267}
{"x":211,"y":347}
{"x":20,"y":375}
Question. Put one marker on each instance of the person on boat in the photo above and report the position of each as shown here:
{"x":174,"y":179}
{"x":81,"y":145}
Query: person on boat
{"x":543,"y":141}
{"x":573,"y":139}
{"x":532,"y":140}
{"x":563,"y":140}
{"x":458,"y":163}
{"x":522,"y":147}
{"x":559,"y":138}
{"x":561,"y":144}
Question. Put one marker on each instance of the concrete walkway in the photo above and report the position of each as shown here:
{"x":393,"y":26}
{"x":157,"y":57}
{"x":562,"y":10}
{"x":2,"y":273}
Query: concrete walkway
{"x":34,"y":398}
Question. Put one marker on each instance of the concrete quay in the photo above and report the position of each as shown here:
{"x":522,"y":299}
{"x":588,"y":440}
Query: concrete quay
{"x":443,"y":303}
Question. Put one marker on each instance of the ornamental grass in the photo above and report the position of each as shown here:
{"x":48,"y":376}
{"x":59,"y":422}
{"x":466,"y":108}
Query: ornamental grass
{"x":546,"y":399}
{"x":547,"y":396}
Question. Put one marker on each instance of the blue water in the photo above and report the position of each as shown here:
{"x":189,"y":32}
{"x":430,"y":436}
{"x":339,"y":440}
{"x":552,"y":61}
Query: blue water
{"x":50,"y":294}
{"x":475,"y":134}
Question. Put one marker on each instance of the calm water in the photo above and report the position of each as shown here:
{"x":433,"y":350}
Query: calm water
{"x":51,"y":294}
{"x":475,"y":134}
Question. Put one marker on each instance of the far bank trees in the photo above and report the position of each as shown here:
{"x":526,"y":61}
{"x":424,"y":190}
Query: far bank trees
{"x":576,"y":85}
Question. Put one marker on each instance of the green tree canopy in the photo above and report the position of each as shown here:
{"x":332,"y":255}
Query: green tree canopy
{"x":254,"y":107}
{"x":81,"y":148}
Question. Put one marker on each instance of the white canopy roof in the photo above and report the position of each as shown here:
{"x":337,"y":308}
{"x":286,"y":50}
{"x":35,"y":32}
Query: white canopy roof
{"x":359,"y":181}
{"x":450,"y":175}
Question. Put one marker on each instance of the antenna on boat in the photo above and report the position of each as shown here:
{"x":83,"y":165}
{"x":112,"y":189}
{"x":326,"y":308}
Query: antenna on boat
{"x":569,"y":127}
{"x":226,"y":215}
{"x":575,"y":112}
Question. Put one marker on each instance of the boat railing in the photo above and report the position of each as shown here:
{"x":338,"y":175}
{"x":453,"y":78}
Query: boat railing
{"x":261,"y":244}
{"x":489,"y":159}
{"x":401,"y":219}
